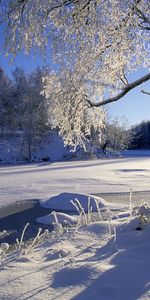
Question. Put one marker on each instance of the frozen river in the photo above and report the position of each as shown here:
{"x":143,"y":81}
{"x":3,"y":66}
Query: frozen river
{"x":103,"y":176}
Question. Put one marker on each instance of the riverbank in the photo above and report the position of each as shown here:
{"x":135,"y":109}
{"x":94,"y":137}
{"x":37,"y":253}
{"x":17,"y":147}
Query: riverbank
{"x":15,"y":216}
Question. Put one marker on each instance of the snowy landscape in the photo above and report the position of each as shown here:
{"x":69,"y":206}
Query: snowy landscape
{"x":74,"y":150}
{"x":99,"y":253}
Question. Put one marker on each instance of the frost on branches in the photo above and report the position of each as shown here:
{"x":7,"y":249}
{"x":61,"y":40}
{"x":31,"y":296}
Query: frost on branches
{"x":69,"y":110}
{"x":96,"y":45}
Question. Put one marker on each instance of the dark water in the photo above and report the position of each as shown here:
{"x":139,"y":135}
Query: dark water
{"x":14,"y":222}
{"x":11,"y":226}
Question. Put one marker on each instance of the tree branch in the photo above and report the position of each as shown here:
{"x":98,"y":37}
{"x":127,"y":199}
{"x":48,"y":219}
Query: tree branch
{"x":144,"y":92}
{"x":127,"y":89}
{"x":142,"y":16}
{"x":57,"y":6}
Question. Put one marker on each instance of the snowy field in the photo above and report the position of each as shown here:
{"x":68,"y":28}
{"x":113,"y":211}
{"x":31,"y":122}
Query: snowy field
{"x":43,"y":180}
{"x":93,"y":258}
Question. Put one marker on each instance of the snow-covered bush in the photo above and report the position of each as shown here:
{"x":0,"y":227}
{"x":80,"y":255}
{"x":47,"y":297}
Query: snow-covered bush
{"x":144,"y":214}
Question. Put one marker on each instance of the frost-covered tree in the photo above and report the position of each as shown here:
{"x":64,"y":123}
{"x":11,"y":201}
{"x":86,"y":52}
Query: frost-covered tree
{"x":117,"y":135}
{"x":30,"y":108}
{"x":20,"y":90}
{"x":69,"y":109}
{"x":97,"y":44}
{"x":6,"y":104}
{"x":23,"y":109}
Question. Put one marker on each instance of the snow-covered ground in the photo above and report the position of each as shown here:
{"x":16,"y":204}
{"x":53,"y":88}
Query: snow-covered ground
{"x":43,"y":180}
{"x":104,"y":259}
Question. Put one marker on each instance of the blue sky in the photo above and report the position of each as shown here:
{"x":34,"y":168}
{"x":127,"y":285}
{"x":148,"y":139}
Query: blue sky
{"x":135,"y":106}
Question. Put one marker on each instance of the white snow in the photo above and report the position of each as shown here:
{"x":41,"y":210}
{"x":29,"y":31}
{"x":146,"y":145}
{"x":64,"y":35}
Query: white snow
{"x":51,"y":146}
{"x":62,"y":219}
{"x":63,"y":202}
{"x":87,"y":265}
{"x":42,"y":181}
{"x":106,"y":260}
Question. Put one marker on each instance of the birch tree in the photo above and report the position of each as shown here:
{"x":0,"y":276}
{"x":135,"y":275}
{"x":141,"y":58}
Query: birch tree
{"x":96,"y":44}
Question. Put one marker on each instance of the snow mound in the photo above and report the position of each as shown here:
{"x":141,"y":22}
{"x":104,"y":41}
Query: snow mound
{"x":63,"y":202}
{"x":126,"y":224}
{"x":96,"y":229}
{"x":62,"y":219}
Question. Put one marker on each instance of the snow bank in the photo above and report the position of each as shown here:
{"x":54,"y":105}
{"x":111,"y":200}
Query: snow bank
{"x":51,"y":148}
{"x":62,"y":219}
{"x":63,"y":202}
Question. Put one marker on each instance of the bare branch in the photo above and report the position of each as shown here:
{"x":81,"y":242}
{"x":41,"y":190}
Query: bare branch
{"x":142,"y":16}
{"x":127,"y":89}
{"x":124,"y":79}
{"x":64,"y":3}
{"x":144,"y":92}
{"x":145,"y":27}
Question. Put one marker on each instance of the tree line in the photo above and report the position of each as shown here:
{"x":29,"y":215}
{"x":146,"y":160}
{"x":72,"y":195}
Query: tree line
{"x":23,"y":109}
{"x":141,"y":135}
